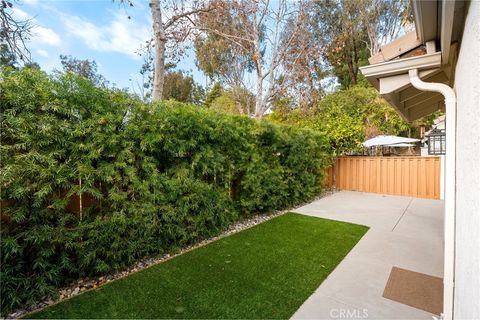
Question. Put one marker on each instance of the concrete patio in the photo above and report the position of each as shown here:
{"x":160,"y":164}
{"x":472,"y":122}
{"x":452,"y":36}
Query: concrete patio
{"x":404,"y":232}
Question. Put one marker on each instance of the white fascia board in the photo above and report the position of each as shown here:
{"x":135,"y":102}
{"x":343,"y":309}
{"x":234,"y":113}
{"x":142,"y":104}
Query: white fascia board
{"x":402,"y":81}
{"x":425,"y":15}
{"x":448,"y":10}
{"x":391,"y":68}
{"x":417,"y":14}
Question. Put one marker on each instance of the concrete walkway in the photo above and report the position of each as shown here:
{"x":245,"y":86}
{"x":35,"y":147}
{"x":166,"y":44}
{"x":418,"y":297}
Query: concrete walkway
{"x":404,"y":232}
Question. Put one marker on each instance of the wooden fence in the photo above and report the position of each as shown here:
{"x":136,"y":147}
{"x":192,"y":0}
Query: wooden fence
{"x":403,"y":176}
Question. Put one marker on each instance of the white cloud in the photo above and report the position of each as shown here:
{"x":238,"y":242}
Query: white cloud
{"x":121,"y":35}
{"x":46,"y":35}
{"x":40,"y":34}
{"x":31,"y":2}
{"x":43,"y":53}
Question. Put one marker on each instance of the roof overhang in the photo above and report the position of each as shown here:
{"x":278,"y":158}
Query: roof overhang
{"x":376,"y":72}
{"x":438,"y":24}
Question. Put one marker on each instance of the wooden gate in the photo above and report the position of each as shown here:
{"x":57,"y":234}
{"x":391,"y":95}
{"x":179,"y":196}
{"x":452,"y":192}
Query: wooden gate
{"x":403,"y":176}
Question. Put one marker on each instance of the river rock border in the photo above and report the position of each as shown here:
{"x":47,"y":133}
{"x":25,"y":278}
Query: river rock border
{"x":87,"y":284}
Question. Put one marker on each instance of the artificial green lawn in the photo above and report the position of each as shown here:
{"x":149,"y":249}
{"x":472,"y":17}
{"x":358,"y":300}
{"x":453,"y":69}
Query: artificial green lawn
{"x":267,"y":271}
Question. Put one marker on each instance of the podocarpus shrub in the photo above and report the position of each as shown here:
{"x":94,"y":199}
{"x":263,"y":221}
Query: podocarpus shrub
{"x":163,"y":176}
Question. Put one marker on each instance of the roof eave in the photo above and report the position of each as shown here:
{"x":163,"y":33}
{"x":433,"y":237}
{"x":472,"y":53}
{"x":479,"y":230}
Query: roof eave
{"x":391,"y":68}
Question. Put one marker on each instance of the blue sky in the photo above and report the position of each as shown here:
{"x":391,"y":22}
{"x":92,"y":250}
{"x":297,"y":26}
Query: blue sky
{"x":97,"y":30}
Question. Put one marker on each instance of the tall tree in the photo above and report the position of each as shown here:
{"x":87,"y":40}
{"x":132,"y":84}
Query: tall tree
{"x":302,"y":69}
{"x":259,"y":34}
{"x":172,"y":25}
{"x":14,"y":33}
{"x":7,"y":58}
{"x":181,"y":87}
{"x":215,"y":92}
{"x":351,"y":30}
{"x":177,"y":85}
{"x":218,"y":58}
{"x":234,"y":102}
{"x":85,"y":68}
{"x":385,"y":20}
{"x":147,"y":71}
{"x":342,"y":36}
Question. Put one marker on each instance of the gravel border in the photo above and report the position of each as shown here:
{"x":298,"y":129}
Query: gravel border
{"x":88,"y":284}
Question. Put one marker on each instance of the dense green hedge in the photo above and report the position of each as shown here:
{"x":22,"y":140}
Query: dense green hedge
{"x":164,"y":176}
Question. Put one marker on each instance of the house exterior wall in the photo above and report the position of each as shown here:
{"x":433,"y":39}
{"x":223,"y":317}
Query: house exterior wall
{"x":467,"y":242}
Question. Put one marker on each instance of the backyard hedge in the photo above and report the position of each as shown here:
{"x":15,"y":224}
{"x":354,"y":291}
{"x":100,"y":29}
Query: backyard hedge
{"x":164,"y":176}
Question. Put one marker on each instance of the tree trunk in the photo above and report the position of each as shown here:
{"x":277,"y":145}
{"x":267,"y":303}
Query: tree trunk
{"x":239,"y":107}
{"x":258,"y":98}
{"x":259,"y":95}
{"x":159,"y":37}
{"x":237,"y":97}
{"x":351,"y":71}
{"x":257,"y":59}
{"x":259,"y":101}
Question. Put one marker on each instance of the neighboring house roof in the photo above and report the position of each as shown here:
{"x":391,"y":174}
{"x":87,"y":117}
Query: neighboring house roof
{"x":438,"y":125}
{"x":390,"y":141}
{"x":438,"y":24}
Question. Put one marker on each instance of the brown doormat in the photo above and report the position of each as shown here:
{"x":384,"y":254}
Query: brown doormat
{"x":415,"y":289}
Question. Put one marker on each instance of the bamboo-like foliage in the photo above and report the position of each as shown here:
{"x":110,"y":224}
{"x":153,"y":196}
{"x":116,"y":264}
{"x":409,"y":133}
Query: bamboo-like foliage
{"x":163,"y":176}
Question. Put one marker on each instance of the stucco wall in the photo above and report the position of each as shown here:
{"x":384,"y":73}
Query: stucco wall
{"x":467,"y":87}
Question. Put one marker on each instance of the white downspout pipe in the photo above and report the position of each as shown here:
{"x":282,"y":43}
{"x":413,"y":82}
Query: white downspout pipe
{"x":450,"y":186}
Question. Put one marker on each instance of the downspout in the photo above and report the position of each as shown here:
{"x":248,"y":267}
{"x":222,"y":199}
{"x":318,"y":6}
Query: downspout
{"x":450,"y":185}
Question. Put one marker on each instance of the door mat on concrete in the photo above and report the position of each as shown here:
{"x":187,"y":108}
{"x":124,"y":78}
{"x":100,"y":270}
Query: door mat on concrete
{"x":415,"y":289}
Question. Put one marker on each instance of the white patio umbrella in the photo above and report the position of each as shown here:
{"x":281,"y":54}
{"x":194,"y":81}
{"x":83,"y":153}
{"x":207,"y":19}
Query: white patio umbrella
{"x":403,"y":145}
{"x":390,"y":141}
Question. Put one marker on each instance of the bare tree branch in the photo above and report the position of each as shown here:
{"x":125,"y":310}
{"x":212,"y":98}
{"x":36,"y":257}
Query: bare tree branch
{"x":185,"y":14}
{"x":14,"y":32}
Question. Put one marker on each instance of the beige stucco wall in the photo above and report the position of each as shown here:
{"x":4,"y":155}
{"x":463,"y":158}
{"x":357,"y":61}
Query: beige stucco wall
{"x":467,"y":87}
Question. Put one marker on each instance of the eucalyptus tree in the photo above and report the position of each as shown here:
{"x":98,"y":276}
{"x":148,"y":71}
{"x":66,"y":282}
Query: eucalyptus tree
{"x":218,"y":58}
{"x":255,"y":34}
{"x":349,"y":31}
{"x":386,"y":20}
{"x":172,"y":27}
{"x":84,"y":68}
{"x":303,"y":68}
{"x":181,"y":86}
{"x":14,"y":32}
{"x":7,"y":58}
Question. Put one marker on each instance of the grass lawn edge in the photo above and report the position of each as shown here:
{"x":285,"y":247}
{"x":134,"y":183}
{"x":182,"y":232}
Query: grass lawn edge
{"x":204,"y":243}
